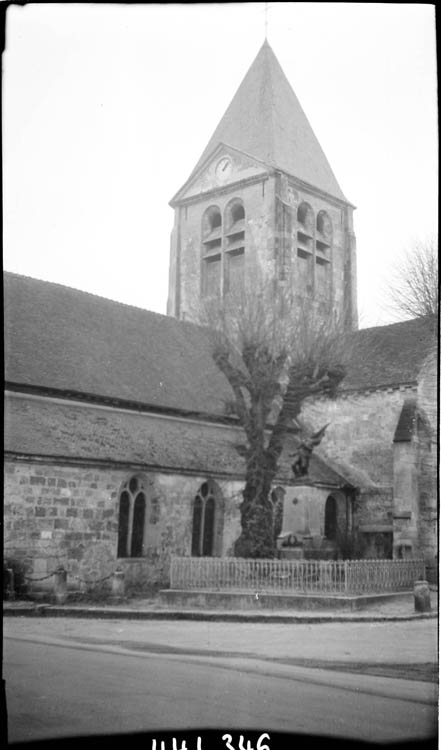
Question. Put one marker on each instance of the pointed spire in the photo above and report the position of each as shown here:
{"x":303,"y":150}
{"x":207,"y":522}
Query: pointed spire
{"x":265,"y":120}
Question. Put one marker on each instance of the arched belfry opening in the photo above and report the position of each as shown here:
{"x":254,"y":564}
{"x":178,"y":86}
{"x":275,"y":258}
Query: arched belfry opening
{"x":207,"y":521}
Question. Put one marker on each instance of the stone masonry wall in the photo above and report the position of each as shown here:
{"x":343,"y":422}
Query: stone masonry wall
{"x":428,"y":466}
{"x":361,"y":431}
{"x":68,"y":515}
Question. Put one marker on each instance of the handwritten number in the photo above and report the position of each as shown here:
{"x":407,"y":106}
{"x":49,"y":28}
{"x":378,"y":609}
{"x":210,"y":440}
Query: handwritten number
{"x":259,"y":746}
{"x":228,"y":739}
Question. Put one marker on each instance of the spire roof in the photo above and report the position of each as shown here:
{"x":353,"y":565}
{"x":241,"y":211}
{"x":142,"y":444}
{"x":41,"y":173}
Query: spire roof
{"x":265,"y":120}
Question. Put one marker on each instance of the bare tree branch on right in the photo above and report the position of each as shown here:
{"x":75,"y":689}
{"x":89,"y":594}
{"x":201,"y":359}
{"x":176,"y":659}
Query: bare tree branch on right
{"x":413,"y":290}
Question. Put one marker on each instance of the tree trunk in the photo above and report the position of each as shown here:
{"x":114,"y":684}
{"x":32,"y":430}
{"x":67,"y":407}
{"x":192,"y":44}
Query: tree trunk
{"x":257,"y":511}
{"x":256,"y":539}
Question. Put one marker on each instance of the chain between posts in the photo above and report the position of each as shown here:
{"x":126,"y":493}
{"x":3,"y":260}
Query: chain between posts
{"x":43,"y":578}
{"x":78,"y":578}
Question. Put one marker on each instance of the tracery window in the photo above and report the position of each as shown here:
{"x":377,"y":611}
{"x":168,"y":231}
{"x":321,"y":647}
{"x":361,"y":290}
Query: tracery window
{"x":136,"y":515}
{"x":206,"y":527}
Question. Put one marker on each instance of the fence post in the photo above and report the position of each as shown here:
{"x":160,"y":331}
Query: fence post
{"x":421,"y":595}
{"x":60,"y":585}
{"x":346,"y":576}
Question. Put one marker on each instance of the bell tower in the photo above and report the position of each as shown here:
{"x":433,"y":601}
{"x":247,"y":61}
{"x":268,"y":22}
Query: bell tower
{"x":263,"y":195}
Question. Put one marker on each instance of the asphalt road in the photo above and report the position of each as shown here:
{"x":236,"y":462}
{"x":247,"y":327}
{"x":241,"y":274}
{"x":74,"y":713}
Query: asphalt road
{"x":57,"y":689}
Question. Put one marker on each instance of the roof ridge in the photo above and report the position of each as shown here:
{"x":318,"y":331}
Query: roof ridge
{"x":391,"y":325}
{"x":98,"y":296}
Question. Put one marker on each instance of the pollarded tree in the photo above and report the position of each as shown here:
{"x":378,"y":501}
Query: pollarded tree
{"x":274,"y":356}
{"x":413,"y":289}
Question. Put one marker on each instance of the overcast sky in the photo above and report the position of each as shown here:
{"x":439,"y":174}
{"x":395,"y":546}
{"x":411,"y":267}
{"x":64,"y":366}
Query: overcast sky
{"x":107,"y":108}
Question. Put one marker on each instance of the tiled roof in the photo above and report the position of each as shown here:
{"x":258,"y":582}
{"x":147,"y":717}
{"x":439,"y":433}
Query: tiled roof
{"x":63,"y":430}
{"x":389,"y":355}
{"x":265,"y":120}
{"x":61,"y":338}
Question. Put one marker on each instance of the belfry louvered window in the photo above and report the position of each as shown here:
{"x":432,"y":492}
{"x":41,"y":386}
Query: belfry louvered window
{"x":234,"y":246}
{"x":305,"y":245}
{"x":211,"y":252}
{"x":223,"y":249}
{"x":323,"y":247}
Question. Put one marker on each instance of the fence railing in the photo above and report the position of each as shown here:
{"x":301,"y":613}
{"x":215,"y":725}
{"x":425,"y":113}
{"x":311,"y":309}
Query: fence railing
{"x":290,"y":576}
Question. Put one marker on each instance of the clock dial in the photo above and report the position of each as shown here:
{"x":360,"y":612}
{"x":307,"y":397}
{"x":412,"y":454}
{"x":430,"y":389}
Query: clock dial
{"x":223,"y":168}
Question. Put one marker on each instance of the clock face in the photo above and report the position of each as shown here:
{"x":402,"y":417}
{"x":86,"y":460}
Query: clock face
{"x":223,"y":168}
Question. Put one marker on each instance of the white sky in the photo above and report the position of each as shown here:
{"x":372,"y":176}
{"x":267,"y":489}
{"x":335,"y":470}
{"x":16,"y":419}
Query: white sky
{"x":107,"y":108}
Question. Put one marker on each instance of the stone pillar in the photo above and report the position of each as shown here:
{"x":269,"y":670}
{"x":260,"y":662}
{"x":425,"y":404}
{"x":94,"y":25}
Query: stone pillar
{"x":421,"y":593}
{"x":60,"y":585}
{"x":118,"y":587}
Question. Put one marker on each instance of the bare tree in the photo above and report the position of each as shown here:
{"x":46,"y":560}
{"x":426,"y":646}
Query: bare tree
{"x":413,"y":289}
{"x":274,"y":356}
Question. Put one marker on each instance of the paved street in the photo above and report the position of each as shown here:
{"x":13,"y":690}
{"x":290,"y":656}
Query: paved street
{"x":68,"y":677}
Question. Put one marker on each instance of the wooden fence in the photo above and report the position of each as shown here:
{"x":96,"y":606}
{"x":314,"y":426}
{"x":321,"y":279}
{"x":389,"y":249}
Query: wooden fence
{"x":291,"y":576}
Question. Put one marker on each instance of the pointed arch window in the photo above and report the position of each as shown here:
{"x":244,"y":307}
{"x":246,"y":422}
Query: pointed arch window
{"x":206,"y":522}
{"x":134,"y":520}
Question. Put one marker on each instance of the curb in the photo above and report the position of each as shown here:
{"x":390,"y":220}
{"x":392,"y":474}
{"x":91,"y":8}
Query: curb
{"x":43,"y":610}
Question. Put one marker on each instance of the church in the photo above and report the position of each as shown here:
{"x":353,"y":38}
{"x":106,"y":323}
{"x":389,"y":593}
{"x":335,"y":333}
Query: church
{"x":120,"y":448}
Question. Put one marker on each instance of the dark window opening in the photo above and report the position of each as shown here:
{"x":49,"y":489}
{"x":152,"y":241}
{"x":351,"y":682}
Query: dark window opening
{"x":197,"y":526}
{"x":123,"y":524}
{"x":138,"y":526}
{"x":216,"y":220}
{"x":211,"y":222}
{"x":237,"y":212}
{"x":132,"y":517}
{"x":324,"y":225}
{"x":204,"y":522}
{"x":235,"y":218}
{"x":305,"y":218}
{"x":302,"y":254}
{"x":236,"y":238}
{"x":321,"y":261}
{"x":322,"y":246}
{"x":212,"y":245}
{"x":207,"y":542}
{"x":331,"y":518}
